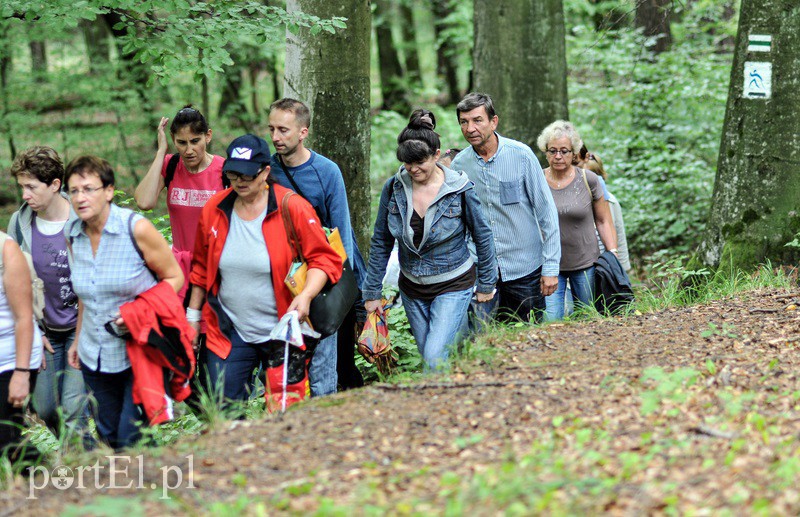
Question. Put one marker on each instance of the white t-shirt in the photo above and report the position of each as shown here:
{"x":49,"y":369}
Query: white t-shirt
{"x":8,"y":349}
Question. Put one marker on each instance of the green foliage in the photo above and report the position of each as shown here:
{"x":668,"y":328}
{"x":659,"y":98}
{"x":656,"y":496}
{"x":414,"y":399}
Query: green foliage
{"x":665,"y":386}
{"x":654,"y":120}
{"x":715,"y":330}
{"x":178,"y":36}
{"x":667,"y":284}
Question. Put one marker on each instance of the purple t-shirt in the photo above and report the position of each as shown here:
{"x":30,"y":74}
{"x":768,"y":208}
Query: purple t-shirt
{"x":49,"y":253}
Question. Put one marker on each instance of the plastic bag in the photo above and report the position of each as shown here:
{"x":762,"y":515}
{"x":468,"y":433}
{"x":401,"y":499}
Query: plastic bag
{"x":286,"y":364}
{"x":374,"y":344}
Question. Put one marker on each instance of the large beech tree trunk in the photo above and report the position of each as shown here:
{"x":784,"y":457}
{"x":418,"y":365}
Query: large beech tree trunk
{"x":330,"y":73}
{"x":520,"y":60}
{"x":756,"y":203}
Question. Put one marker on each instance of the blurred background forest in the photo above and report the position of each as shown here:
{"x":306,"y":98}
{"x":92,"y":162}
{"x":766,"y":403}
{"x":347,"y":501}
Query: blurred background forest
{"x":647,"y":82}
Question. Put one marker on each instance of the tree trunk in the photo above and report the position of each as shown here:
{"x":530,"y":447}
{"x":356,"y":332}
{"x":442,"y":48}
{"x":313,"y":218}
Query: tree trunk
{"x":520,"y":60}
{"x":410,"y":52}
{"x":653,"y":16}
{"x":131,"y":69}
{"x":95,"y":36}
{"x":445,"y":52}
{"x":38,"y":60}
{"x":232,"y":104}
{"x":755,"y":206}
{"x":330,"y":73}
{"x":391,"y":71}
{"x":5,"y":68}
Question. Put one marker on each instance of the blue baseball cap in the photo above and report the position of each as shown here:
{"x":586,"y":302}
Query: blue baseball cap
{"x":247,"y":155}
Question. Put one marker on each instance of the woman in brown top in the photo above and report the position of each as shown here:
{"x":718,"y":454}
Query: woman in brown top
{"x":581,"y":208}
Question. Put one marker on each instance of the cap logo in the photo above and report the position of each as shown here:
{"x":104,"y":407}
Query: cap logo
{"x":241,"y":153}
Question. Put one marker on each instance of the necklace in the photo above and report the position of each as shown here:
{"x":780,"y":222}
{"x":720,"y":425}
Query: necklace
{"x":566,"y":180}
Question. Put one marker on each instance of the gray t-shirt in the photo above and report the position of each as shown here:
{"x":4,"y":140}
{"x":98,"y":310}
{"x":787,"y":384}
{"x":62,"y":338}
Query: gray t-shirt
{"x":579,"y":248}
{"x":246,"y":292}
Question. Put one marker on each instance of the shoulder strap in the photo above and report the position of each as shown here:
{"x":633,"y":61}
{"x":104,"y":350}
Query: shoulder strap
{"x":18,"y":225}
{"x":172,"y":165}
{"x":586,"y":182}
{"x":291,"y":232}
{"x":133,"y":239}
{"x":297,"y":188}
{"x":136,"y":245}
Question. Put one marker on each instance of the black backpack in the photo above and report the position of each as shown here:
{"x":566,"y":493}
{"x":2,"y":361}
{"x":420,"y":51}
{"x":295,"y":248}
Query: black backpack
{"x":172,"y":164}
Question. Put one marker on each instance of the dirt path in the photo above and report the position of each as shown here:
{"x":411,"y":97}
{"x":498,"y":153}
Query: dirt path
{"x":680,"y":410}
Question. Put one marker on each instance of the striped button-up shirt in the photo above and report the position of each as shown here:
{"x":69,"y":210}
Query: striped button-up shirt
{"x":113,"y":276}
{"x":518,"y":206}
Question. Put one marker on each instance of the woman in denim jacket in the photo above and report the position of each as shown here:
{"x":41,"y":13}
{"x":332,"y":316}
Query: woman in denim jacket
{"x":431,"y":211}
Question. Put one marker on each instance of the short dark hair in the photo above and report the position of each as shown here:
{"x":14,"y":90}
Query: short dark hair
{"x":476,"y":100}
{"x":418,"y":140}
{"x":88,"y":165}
{"x":40,"y":162}
{"x":301,"y":112}
{"x":189,"y":116}
{"x":414,"y":151}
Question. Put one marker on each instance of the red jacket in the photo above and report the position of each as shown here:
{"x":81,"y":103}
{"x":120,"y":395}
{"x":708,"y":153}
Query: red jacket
{"x":212,"y":230}
{"x":160,"y":350}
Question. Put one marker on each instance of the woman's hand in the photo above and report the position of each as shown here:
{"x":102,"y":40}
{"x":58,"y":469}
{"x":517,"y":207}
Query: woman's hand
{"x":373,"y":305}
{"x":120,"y":323}
{"x":18,"y":388}
{"x":163,"y":145}
{"x":484,"y":297}
{"x":72,"y":355}
{"x":301,"y":304}
{"x":49,"y":348}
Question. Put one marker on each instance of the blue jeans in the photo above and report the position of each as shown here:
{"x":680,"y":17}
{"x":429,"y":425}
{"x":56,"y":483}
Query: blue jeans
{"x":233,"y":377}
{"x":521,"y":296}
{"x":582,"y":284}
{"x":61,"y":385}
{"x":322,"y":371}
{"x":118,"y":419}
{"x":438,"y":325}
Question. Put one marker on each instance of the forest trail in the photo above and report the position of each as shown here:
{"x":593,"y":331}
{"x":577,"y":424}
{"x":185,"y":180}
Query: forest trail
{"x":686,"y":408}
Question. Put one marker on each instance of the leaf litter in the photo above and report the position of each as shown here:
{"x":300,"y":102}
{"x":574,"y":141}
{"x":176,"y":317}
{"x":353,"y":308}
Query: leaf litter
{"x":691,"y":409}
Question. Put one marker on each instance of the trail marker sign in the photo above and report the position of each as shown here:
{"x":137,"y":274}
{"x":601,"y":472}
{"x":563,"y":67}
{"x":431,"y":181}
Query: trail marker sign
{"x":757,"y":80}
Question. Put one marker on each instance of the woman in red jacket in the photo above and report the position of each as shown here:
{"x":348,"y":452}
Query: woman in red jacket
{"x":240,"y":261}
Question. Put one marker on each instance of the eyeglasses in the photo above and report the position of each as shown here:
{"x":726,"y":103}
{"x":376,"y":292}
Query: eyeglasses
{"x":73,"y":193}
{"x":562,"y":152}
{"x":235,"y":176}
{"x":187,"y":110}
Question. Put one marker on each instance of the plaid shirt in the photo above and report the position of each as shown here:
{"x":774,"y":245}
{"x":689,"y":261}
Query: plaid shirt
{"x":104,"y":282}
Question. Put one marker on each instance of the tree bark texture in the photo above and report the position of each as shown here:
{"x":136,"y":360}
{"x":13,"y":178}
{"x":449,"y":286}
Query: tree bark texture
{"x":756,"y":202}
{"x":393,"y":91}
{"x":330,"y":73}
{"x":653,"y":16}
{"x":520,"y":60}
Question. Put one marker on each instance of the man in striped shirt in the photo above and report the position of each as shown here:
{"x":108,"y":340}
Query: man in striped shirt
{"x":517,"y":204}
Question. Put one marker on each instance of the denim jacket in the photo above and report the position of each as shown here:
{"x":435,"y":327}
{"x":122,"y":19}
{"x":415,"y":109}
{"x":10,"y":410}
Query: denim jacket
{"x":453,"y":217}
